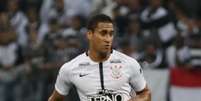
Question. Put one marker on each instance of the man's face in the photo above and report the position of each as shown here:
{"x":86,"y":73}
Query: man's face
{"x":101,"y":38}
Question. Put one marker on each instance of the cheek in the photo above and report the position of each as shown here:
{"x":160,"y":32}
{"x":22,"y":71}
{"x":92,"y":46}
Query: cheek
{"x":97,"y":42}
{"x":94,"y":41}
{"x":97,"y":39}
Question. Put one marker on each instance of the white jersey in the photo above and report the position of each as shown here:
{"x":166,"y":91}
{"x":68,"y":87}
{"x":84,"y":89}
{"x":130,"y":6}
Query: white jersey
{"x":111,"y":80}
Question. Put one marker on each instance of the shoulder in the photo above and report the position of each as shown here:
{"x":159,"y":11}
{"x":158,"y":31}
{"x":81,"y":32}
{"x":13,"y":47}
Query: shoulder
{"x":129,"y":61}
{"x":124,"y":57}
{"x":68,"y":66}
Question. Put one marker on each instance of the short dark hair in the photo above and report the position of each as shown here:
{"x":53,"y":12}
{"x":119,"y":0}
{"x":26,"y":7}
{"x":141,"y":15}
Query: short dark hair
{"x":94,"y":20}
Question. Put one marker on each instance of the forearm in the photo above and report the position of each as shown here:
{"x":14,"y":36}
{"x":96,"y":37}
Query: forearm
{"x":56,"y":97}
{"x":144,"y":95}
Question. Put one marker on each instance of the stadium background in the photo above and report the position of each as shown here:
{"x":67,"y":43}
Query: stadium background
{"x":38,"y":36}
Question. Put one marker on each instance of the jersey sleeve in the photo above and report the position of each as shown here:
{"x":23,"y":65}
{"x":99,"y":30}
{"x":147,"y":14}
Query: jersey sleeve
{"x":63,"y":83}
{"x":137,"y":80}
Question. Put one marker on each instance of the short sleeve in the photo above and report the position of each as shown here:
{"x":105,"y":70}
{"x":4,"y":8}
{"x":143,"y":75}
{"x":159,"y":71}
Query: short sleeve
{"x":137,"y":80}
{"x":63,"y":83}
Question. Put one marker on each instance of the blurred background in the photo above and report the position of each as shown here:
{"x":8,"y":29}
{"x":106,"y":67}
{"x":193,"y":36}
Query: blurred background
{"x":38,"y":36}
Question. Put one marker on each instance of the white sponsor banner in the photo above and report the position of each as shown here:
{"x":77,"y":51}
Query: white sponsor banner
{"x":185,"y":93}
{"x":158,"y":83}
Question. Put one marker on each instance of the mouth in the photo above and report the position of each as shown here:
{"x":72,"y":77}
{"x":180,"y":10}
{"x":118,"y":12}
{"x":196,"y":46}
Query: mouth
{"x":107,"y":46}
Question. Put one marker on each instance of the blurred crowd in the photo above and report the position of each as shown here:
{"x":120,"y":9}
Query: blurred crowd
{"x":38,"y":36}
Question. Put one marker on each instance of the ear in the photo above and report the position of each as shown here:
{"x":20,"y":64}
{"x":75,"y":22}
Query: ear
{"x":89,"y":35}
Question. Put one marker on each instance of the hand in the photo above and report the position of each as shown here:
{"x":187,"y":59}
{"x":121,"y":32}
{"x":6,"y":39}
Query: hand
{"x":136,"y":98}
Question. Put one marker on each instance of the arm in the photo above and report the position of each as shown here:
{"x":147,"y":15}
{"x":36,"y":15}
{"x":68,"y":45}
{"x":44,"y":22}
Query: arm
{"x":56,"y":96}
{"x":144,"y":95}
{"x":62,"y":85}
{"x":139,"y":84}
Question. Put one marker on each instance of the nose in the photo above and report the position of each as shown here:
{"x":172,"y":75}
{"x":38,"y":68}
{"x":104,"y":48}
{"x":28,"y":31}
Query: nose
{"x":108,"y":39}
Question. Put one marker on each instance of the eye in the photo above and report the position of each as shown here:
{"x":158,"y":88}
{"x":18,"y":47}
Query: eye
{"x":111,"y":33}
{"x":103,"y":32}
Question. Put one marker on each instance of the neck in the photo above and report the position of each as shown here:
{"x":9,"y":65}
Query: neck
{"x":98,"y":56}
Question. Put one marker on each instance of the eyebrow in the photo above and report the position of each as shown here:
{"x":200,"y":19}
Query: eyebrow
{"x":100,"y":30}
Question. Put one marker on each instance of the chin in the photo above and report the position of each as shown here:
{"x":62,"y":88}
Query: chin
{"x":106,"y":52}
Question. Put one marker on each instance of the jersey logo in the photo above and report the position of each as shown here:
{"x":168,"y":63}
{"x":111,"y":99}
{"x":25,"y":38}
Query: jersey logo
{"x":116,"y":71}
{"x":82,"y":75}
{"x":84,"y":64}
{"x":115,"y":61}
{"x":106,"y":95}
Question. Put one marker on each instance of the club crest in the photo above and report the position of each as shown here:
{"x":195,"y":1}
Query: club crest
{"x":116,"y":71}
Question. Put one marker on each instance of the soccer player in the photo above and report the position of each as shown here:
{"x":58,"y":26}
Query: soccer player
{"x":101,"y":73}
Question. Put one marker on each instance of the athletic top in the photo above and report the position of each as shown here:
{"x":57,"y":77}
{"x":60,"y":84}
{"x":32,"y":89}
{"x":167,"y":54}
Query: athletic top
{"x":111,"y":80}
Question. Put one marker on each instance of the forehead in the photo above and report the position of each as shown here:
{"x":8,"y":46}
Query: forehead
{"x":105,"y":25}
